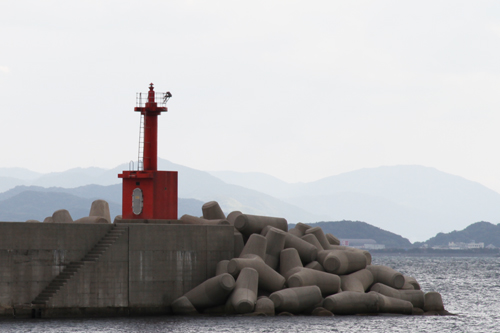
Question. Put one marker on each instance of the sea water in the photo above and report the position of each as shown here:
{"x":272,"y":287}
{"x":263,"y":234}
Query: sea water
{"x":470,"y":288}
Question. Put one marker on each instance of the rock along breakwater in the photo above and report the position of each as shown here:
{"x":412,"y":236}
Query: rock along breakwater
{"x":276,"y":271}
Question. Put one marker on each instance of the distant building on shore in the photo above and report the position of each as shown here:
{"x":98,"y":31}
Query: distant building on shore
{"x":460,"y":246}
{"x":364,"y":244}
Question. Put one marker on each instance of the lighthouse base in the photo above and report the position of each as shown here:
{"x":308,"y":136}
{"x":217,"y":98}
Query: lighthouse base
{"x":149,"y":195}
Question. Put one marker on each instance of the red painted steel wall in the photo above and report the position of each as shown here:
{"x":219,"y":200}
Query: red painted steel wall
{"x":159,"y":191}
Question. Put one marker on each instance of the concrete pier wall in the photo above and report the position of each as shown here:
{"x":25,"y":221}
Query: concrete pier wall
{"x":103,"y":283}
{"x":143,"y":271}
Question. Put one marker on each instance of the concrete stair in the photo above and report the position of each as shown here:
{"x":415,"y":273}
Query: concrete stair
{"x":73,"y":267}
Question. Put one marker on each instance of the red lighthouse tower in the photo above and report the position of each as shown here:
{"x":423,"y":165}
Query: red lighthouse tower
{"x":149,"y":193}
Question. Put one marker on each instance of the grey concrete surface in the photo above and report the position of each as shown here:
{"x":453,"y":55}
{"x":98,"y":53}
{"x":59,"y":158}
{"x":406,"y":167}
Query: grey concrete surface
{"x":313,"y":240}
{"x":343,"y":262}
{"x":256,"y":245}
{"x":368,"y":257}
{"x":244,"y":295}
{"x":321,"y":312}
{"x":412,"y":281}
{"x":351,"y":303}
{"x":239,"y":243}
{"x":144,"y":270}
{"x":433,"y":301}
{"x":307,"y":251}
{"x":211,"y":292}
{"x":221,"y":267}
{"x":332,"y":239}
{"x":320,"y":236}
{"x":182,"y":306}
{"x":168,"y":260}
{"x":302,"y":227}
{"x":99,"y":283}
{"x":31,"y":255}
{"x":359,"y":281}
{"x":232,"y":216}
{"x":289,"y":262}
{"x":212,"y":211}
{"x":296,"y":232}
{"x":265,"y":306}
{"x":100,"y":208}
{"x":352,"y":249}
{"x":269,"y":279}
{"x":328,"y":283}
{"x":190,"y":219}
{"x":393,"y":305}
{"x":296,"y":300}
{"x":266,"y":229}
{"x":92,"y":219}
{"x":61,"y":216}
{"x":315,"y":265}
{"x":415,"y":297}
{"x":387,"y":276}
{"x":250,"y":224}
{"x":190,"y":268}
{"x":275,"y":243}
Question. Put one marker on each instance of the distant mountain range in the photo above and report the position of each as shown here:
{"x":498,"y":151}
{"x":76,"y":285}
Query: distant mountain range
{"x":36,"y":203}
{"x":24,"y":203}
{"x":413,"y":201}
{"x":193,"y":184}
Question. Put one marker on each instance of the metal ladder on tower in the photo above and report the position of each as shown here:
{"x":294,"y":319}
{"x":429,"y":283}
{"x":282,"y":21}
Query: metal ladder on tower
{"x":140,"y":154}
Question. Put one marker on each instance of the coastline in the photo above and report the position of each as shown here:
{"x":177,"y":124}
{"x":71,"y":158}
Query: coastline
{"x":436,"y":253}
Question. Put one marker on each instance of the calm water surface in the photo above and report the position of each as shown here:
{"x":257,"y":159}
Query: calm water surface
{"x":470,"y":288}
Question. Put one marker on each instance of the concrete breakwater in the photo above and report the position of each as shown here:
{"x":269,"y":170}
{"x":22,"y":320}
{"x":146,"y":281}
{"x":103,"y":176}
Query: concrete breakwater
{"x":300,"y":271}
{"x":74,"y":269}
{"x":239,"y":264}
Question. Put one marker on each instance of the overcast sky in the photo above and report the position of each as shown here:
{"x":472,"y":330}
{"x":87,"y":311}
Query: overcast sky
{"x":297,"y":89}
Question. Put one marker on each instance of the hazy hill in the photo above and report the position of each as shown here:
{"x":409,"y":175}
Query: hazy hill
{"x":479,"y":232}
{"x":202,"y":186}
{"x":193,"y":184}
{"x":76,"y":177}
{"x":362,"y":230}
{"x":377,"y":210}
{"x":38,"y":205}
{"x":257,"y":181}
{"x":69,"y":178}
{"x":20,"y":173}
{"x":112,"y":193}
{"x":414,"y":201}
{"x":26,"y":203}
{"x":7,"y":183}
